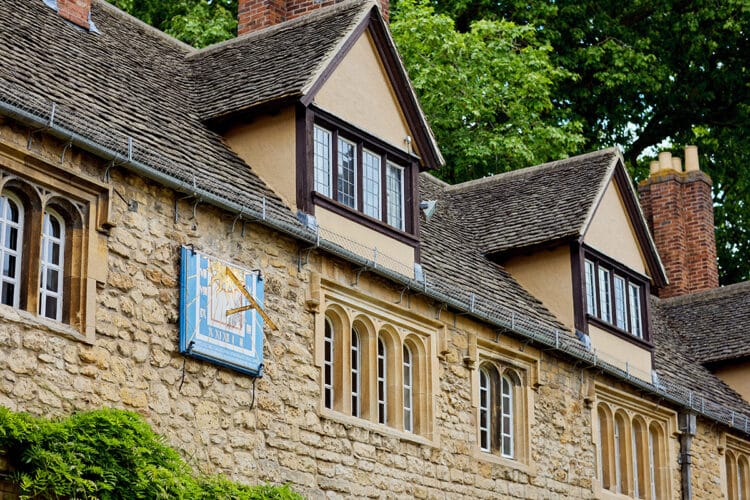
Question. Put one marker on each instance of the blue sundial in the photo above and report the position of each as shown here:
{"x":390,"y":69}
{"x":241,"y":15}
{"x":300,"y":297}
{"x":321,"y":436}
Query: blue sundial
{"x":221,"y":319}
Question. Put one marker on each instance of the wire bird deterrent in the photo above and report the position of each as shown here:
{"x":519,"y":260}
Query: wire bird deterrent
{"x":41,"y":114}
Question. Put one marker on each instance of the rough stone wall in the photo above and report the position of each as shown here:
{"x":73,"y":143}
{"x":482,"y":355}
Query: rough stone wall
{"x":279,"y":434}
{"x":708,"y":462}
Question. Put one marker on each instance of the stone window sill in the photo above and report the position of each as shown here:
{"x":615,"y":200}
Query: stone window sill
{"x":350,"y":421}
{"x":27,"y":319}
{"x":505,"y":462}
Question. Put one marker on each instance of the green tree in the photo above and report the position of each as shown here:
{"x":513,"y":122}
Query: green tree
{"x":196,"y":22}
{"x":486,"y":92}
{"x":650,"y":72}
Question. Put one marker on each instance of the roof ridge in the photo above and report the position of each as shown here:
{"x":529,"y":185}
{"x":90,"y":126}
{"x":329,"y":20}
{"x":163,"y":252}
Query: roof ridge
{"x":147,"y":27}
{"x":712,"y":293}
{"x":432,"y":178}
{"x":292,"y":23}
{"x":524,"y":171}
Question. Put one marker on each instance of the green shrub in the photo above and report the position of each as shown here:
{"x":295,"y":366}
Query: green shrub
{"x":108,"y":454}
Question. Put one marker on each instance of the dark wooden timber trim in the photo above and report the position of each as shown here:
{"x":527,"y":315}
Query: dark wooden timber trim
{"x":641,"y":229}
{"x":634,"y":276}
{"x":303,"y":156}
{"x":576,"y":269}
{"x":374,"y":224}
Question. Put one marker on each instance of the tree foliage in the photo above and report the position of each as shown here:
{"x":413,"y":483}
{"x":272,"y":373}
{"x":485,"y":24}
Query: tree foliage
{"x":486,"y":92}
{"x":108,"y":454}
{"x":196,"y":22}
{"x":649,"y":73}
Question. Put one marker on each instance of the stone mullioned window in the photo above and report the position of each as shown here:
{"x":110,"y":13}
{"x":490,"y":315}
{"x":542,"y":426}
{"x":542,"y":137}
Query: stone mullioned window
{"x":633,"y":456}
{"x":51,"y":222}
{"x":737,"y":469}
{"x":377,"y":363}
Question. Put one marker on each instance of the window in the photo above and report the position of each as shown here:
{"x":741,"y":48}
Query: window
{"x":614,"y":297}
{"x":382,"y":384}
{"x":500,"y":410}
{"x":737,"y":469}
{"x":395,"y":196}
{"x":11,"y":225}
{"x":328,"y":365}
{"x":51,"y":266}
{"x":408,"y":400}
{"x":371,"y":184}
{"x":355,"y":363}
{"x":632,"y":446}
{"x":367,"y":178}
{"x":376,"y":373}
{"x":53,"y":228}
{"x":347,"y":174}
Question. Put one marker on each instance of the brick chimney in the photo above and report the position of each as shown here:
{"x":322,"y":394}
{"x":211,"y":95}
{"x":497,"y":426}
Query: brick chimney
{"x":254,"y":15}
{"x":679,"y":210}
{"x":75,"y":11}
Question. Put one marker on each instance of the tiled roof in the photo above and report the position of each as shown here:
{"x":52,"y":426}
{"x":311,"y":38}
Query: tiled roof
{"x":128,"y":80}
{"x":450,"y":256}
{"x":675,"y":365}
{"x":272,"y":63}
{"x":533,"y":206}
{"x":714,"y":325}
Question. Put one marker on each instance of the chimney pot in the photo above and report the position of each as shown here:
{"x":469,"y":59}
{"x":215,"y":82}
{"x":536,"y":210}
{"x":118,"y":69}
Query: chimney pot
{"x":691,"y":159}
{"x":677,"y":164}
{"x":653,"y":167}
{"x":665,"y":161}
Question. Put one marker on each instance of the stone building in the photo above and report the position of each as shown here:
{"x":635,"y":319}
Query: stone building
{"x":244,"y":244}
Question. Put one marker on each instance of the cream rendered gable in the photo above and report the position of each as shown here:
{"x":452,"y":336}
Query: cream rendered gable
{"x":359,"y":92}
{"x":612,"y":233}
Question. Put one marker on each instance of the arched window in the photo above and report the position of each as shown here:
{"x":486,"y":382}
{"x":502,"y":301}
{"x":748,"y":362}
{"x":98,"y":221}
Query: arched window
{"x":743,"y":478}
{"x":328,"y":364}
{"x":382,"y":383}
{"x":506,"y":416}
{"x":657,"y":468}
{"x":606,"y":452}
{"x":640,"y":459}
{"x":408,"y":379}
{"x":356,"y":364}
{"x":621,"y":454}
{"x":485,"y":398}
{"x":51,"y":266}
{"x":11,"y":238}
{"x":730,"y":462}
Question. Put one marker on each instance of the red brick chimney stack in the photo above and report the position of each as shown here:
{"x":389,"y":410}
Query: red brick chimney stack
{"x":254,"y":15}
{"x":679,"y":210}
{"x":75,"y":11}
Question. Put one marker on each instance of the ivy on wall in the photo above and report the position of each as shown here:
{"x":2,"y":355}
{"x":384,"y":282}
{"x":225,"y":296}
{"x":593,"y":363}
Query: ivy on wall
{"x":107,"y":454}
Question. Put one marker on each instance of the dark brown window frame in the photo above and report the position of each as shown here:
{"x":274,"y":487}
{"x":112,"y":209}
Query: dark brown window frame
{"x":307,"y":198}
{"x":579,"y":254}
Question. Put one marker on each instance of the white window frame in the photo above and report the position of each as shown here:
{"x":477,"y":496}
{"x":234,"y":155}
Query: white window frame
{"x":485,"y":415}
{"x":592,"y":304}
{"x":46,"y":265}
{"x":322,"y":162}
{"x":378,"y":214}
{"x":5,"y":251}
{"x":636,"y":313}
{"x":382,"y":383}
{"x":340,"y":166}
{"x":408,"y":380}
{"x":506,"y":417}
{"x":621,"y":302}
{"x":328,"y":373}
{"x":605,"y":295}
{"x":400,"y":223}
{"x":356,"y":373}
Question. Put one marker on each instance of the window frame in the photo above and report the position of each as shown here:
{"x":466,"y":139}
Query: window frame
{"x":583,"y":318}
{"x":310,"y":119}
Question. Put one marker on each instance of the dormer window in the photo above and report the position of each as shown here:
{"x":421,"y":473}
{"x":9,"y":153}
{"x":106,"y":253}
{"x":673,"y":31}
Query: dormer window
{"x":614,"y":296}
{"x":362,"y":178}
